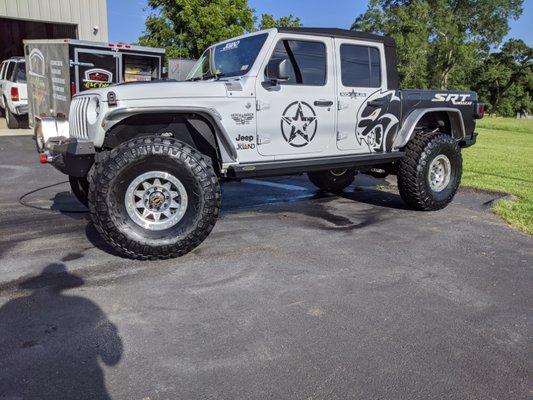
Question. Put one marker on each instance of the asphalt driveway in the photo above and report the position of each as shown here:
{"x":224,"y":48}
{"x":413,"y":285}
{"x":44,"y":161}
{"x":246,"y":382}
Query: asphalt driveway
{"x":295,"y":295}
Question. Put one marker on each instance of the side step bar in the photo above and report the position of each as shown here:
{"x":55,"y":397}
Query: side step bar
{"x":290,"y":167}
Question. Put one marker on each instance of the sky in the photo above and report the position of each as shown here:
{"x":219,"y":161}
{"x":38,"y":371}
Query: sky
{"x":126,"y":17}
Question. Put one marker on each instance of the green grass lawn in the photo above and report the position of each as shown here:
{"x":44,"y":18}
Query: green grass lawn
{"x":502,"y":160}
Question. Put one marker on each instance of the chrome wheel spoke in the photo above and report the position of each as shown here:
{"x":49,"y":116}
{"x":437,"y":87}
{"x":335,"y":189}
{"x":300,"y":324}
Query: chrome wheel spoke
{"x":156,"y":200}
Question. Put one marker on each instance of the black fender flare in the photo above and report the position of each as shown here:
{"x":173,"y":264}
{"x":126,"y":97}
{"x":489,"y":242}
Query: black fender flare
{"x":227,"y":150}
{"x":405,"y":134}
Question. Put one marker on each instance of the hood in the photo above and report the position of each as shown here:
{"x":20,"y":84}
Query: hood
{"x":162,"y":89}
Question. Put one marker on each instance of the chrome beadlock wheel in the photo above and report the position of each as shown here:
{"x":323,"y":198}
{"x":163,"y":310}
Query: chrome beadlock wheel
{"x":156,"y":200}
{"x":439,"y":173}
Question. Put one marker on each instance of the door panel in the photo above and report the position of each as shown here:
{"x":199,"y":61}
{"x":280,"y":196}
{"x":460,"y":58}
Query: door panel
{"x":98,"y":69}
{"x":364,"y":110}
{"x":298,"y":116}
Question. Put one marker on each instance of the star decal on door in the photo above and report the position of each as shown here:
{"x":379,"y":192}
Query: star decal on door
{"x":299,"y":124}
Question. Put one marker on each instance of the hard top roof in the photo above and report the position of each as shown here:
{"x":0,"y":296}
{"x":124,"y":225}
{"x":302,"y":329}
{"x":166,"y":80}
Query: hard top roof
{"x":15,"y":58}
{"x":340,"y":33}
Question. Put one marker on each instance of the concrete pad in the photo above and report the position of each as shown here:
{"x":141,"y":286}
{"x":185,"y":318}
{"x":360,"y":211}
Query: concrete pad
{"x":5,"y":131}
{"x":296,"y":294}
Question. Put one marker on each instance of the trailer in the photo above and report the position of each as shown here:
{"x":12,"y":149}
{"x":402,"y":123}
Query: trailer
{"x":58,"y":69}
{"x":179,"y":68}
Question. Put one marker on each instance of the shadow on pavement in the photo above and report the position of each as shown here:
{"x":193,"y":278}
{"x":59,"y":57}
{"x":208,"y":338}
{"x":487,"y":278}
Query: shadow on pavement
{"x":51,"y":344}
{"x":375,"y":197}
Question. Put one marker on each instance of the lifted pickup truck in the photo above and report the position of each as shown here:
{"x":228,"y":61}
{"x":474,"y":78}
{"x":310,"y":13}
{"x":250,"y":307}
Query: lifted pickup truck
{"x":148,"y":158}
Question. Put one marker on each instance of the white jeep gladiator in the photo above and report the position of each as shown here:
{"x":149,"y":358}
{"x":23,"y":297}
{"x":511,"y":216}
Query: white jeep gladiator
{"x":148,"y":158}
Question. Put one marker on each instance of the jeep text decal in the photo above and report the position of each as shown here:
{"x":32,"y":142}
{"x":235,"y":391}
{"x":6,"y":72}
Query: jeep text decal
{"x":245,"y":142}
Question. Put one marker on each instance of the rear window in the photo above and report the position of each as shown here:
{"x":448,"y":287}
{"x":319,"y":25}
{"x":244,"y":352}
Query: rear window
{"x":10,"y":69}
{"x":360,"y":66}
{"x":21,"y":72}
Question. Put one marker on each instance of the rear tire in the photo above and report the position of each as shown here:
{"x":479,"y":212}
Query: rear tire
{"x":13,"y":121}
{"x":80,"y":189}
{"x":429,"y":173}
{"x":154,"y":198}
{"x":333,"y":180}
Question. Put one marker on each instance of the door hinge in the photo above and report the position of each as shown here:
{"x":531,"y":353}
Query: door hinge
{"x":341,"y":136}
{"x":261,"y":105}
{"x":341,"y":105}
{"x":263,"y":140}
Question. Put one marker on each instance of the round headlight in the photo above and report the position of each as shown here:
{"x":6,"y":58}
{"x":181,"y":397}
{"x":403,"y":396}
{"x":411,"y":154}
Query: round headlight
{"x":93,"y":111}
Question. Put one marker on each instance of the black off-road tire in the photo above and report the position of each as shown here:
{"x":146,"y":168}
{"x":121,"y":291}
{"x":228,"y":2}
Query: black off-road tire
{"x":413,"y":171}
{"x":333,"y":180}
{"x":80,"y":189}
{"x":110,"y":177}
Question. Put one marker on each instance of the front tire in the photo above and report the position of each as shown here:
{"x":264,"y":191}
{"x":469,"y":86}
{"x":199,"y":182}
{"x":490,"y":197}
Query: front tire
{"x":334,"y":180}
{"x":154,"y":198}
{"x":430,"y":172}
{"x":80,"y":189}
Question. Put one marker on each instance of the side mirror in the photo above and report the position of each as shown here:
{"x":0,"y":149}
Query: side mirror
{"x":278,"y":70}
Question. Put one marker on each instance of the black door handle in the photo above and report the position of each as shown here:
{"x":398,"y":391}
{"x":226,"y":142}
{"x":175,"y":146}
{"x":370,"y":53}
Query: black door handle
{"x":323,"y":103}
{"x":375,"y":103}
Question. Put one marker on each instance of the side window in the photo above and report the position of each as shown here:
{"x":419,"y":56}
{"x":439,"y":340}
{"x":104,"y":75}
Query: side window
{"x":10,"y":69}
{"x":2,"y":68}
{"x":360,"y":66}
{"x":307,"y":61}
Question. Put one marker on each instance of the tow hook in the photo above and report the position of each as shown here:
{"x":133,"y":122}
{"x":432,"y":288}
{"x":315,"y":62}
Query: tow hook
{"x":45,"y":158}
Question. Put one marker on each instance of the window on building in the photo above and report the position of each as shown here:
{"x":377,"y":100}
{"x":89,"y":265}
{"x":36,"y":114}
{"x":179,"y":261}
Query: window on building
{"x":307,"y":61}
{"x":360,"y":66}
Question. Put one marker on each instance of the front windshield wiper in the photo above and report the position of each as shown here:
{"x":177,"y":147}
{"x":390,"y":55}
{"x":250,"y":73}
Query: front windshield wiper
{"x":207,"y":76}
{"x":216,"y":76}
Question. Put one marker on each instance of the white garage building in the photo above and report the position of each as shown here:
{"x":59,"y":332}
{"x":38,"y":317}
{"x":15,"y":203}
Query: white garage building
{"x":50,"y":19}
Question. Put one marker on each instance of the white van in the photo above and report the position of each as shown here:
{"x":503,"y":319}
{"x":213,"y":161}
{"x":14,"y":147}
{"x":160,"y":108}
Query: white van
{"x":13,"y":92}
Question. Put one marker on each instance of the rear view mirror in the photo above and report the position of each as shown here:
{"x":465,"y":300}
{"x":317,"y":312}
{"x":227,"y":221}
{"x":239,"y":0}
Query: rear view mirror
{"x":278,"y":70}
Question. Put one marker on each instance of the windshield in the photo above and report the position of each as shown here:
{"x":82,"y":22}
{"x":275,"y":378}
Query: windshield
{"x":228,"y":59}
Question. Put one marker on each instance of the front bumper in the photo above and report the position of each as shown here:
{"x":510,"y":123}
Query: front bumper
{"x":469,"y":140}
{"x":70,"y":156}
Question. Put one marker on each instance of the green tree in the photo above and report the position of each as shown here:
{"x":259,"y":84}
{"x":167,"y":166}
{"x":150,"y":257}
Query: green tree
{"x":185,"y":28}
{"x":268,"y":21}
{"x":440,"y":41}
{"x":504,"y":80}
